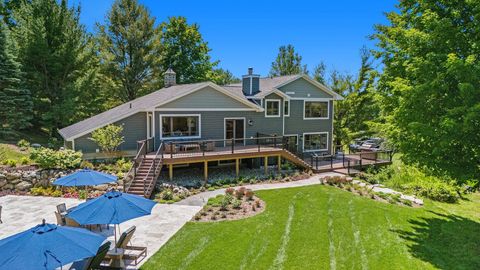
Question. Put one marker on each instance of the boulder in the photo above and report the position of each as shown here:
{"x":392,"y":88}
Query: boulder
{"x":418,"y":201}
{"x":3,"y":182}
{"x":2,"y":176}
{"x":23,"y":186}
{"x":101,"y":187}
{"x":12,"y":176}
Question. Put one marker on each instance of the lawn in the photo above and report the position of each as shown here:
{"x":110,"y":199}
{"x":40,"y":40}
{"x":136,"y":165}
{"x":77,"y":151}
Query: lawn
{"x":321,"y":227}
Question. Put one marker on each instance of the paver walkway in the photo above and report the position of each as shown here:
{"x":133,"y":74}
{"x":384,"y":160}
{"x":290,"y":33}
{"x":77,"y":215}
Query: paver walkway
{"x":23,"y":212}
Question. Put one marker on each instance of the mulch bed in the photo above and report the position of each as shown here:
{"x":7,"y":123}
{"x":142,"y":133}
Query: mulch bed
{"x":248,"y":208}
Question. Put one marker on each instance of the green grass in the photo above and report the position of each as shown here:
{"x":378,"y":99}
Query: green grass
{"x":321,"y":227}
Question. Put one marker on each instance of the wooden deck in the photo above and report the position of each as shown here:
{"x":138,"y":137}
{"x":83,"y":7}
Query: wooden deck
{"x":219,"y":153}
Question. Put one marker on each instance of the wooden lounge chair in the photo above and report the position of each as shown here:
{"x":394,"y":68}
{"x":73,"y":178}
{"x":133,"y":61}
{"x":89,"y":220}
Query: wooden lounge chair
{"x":95,"y":262}
{"x":60,"y":219}
{"x":134,"y":253}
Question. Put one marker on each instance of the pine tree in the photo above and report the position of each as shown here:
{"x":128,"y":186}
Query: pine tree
{"x":129,"y":49}
{"x":15,"y":100}
{"x":288,"y":62}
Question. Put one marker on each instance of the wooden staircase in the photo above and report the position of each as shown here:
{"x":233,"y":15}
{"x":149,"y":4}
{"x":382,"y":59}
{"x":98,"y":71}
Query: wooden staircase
{"x":143,"y":176}
{"x":295,"y":159}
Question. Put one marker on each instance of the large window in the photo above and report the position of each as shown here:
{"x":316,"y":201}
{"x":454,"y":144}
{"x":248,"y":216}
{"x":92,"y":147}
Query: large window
{"x":316,"y":110}
{"x":180,"y":126}
{"x":315,"y":142}
{"x":272,"y":108}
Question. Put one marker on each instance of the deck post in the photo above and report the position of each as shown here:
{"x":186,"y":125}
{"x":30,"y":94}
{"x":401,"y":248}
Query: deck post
{"x":170,"y":171}
{"x":205,"y":171}
{"x":279,"y":163}
{"x":237,"y":166}
{"x":265,"y":164}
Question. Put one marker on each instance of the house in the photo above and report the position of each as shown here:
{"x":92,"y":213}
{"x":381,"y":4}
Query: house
{"x":295,"y":108}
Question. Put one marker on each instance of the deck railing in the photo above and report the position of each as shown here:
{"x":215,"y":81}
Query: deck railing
{"x":153,"y":172}
{"x":178,"y":149}
{"x":141,"y":152}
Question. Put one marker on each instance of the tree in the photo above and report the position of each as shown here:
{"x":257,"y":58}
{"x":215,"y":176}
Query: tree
{"x":109,"y":138}
{"x":288,"y":62}
{"x":430,"y":86}
{"x":222,"y":77}
{"x":15,"y":99}
{"x":354,"y":114}
{"x":183,"y":49}
{"x":57,"y":57}
{"x":318,"y":73}
{"x":129,"y":49}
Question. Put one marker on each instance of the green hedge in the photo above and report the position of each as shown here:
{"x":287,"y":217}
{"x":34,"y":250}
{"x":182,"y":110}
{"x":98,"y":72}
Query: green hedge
{"x":47,"y":158}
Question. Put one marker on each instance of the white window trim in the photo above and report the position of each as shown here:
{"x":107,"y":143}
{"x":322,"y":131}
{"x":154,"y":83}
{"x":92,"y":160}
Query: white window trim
{"x":279,"y":108}
{"x":225,"y":128}
{"x":286,"y":101}
{"x":314,"y":133}
{"x":316,"y":118}
{"x":181,"y":137}
{"x":150,"y":116}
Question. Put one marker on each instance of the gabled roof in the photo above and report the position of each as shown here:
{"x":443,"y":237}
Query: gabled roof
{"x":145,"y":103}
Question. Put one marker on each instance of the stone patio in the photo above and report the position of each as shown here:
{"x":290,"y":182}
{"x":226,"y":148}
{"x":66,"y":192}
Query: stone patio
{"x":20,"y":213}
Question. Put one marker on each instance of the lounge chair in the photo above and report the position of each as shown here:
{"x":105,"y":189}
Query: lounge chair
{"x":62,"y":208}
{"x":60,"y":219}
{"x":94,"y":263}
{"x":134,"y":253}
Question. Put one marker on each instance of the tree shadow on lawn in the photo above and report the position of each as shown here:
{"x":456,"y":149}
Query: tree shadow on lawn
{"x":445,"y":241}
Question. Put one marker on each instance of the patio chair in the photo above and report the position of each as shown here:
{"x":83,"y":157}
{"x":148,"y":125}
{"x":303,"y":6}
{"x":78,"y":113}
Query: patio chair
{"x":170,"y":148}
{"x":210,"y":146}
{"x":134,"y":253}
{"x":62,"y":208}
{"x":95,"y":262}
{"x":60,"y":219}
{"x":71,"y":223}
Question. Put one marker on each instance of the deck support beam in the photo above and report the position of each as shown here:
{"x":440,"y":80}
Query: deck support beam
{"x":170,"y":171}
{"x":265,"y":164}
{"x":205,"y":171}
{"x":279,"y":163}
{"x":237,"y":167}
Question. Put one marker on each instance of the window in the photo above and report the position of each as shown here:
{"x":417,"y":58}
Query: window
{"x":315,"y":142}
{"x":180,"y":126}
{"x":149,"y":125}
{"x":286,"y":108}
{"x":272,"y":108}
{"x":315,"y":110}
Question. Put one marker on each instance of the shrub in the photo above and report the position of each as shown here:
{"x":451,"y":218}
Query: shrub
{"x":435,"y":190}
{"x":249,"y":194}
{"x":197,"y":217}
{"x":167,"y":195}
{"x":215,"y":201}
{"x":24,"y":160}
{"x":48,"y":158}
{"x":46,"y":191}
{"x":257,"y":203}
{"x":123,"y":165}
{"x":240,"y":192}
{"x":10,"y":162}
{"x":236,"y":203}
{"x":229,"y":191}
{"x":23,"y":144}
{"x":254,"y":208}
{"x":86,"y":165}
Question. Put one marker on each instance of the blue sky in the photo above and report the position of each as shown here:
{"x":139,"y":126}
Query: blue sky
{"x":248,"y":33}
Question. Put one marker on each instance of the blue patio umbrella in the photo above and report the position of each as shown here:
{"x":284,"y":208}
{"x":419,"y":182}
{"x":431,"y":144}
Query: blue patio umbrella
{"x":113,"y":207}
{"x":47,"y":246}
{"x":85,"y":177}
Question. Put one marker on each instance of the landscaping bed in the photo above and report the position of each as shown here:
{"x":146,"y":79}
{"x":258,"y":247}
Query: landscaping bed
{"x":235,"y":204}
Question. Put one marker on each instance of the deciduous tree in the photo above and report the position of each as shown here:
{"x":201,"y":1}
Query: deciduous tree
{"x":431,"y":84}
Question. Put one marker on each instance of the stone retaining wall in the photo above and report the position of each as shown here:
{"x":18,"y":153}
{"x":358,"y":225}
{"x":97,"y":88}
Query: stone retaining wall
{"x":19,"y":180}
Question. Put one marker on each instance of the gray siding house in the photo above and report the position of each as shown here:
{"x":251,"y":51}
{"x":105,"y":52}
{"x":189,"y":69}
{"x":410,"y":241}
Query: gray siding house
{"x":295,"y":107}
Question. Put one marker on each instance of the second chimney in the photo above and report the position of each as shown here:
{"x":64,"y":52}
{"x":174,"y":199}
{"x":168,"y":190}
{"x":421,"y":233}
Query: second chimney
{"x":250,"y":83}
